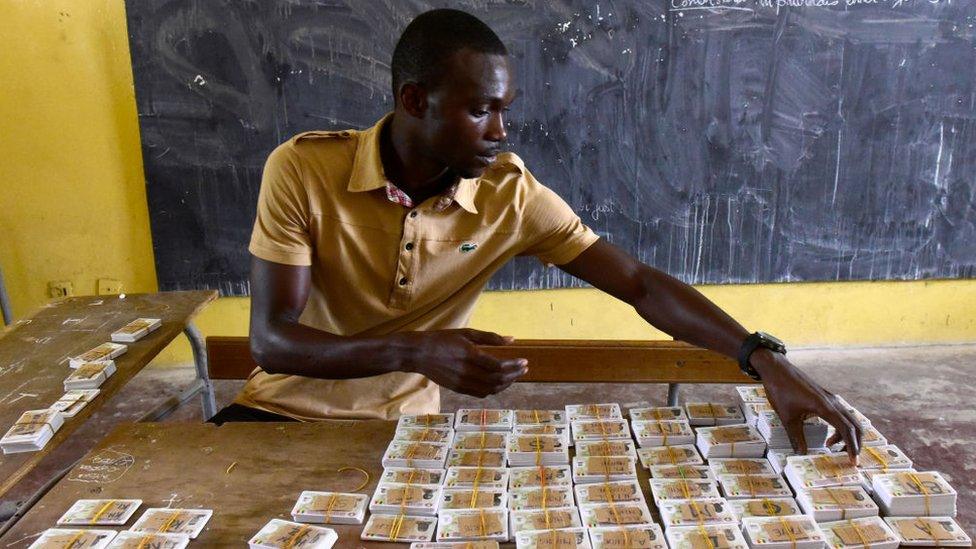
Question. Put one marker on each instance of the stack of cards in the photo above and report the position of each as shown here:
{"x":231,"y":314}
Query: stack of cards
{"x":399,"y":528}
{"x":188,"y":522}
{"x":136,"y":330}
{"x":540,"y":417}
{"x":883,"y":458}
{"x":777,"y":456}
{"x":711,"y":413}
{"x":740,"y":466}
{"x":928,"y":532}
{"x":603,"y":429}
{"x":424,"y":434}
{"x":806,"y":472}
{"x":685,"y":454}
{"x":602,"y":515}
{"x":526,"y":450}
{"x":690,"y":472}
{"x":548,"y":497}
{"x":406,"y":499}
{"x":564,"y":538}
{"x":860,"y":533}
{"x":139,"y":540}
{"x":726,"y":536}
{"x":454,"y":545}
{"x":478,"y":497}
{"x":477,"y":458}
{"x":764,"y":507}
{"x":609,"y":492}
{"x":105,"y":351}
{"x":469,"y":525}
{"x":751,"y":411}
{"x":907,"y":493}
{"x":870,"y":436}
{"x":635,"y":537}
{"x":532,"y":477}
{"x":689,"y":512}
{"x":407,"y":475}
{"x":730,"y":441}
{"x":479,"y":440}
{"x":73,"y":401}
{"x":578,"y":412}
{"x":281,"y":534}
{"x":427,"y":421}
{"x":836,"y":503}
{"x":483,"y":420}
{"x":469,"y":477}
{"x":752,"y":393}
{"x":560,"y":430}
{"x":63,"y":538}
{"x":603,"y":469}
{"x":32,"y":431}
{"x":544,"y":519}
{"x":662,"y":433}
{"x":861,"y":419}
{"x":662,"y":413}
{"x":427,"y":455}
{"x":664,"y":489}
{"x":772,"y":429}
{"x":114,"y":512}
{"x":796,"y":532}
{"x":330,"y":508}
{"x":89,"y":375}
{"x":600,"y":448}
{"x":754,"y":486}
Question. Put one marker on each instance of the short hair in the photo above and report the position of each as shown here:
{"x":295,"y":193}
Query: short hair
{"x":429,"y":40}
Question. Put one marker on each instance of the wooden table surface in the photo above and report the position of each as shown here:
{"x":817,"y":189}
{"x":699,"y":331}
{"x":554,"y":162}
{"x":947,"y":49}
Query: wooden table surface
{"x":34,"y":356}
{"x":248,"y":473}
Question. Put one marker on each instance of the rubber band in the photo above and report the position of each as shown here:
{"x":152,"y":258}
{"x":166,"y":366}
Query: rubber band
{"x":607,"y":493}
{"x":484,"y":419}
{"x":770,"y":508}
{"x":684,"y":488}
{"x":427,"y":420}
{"x":879,"y":457}
{"x":482,"y":439}
{"x":548,"y":520}
{"x":538,"y":450}
{"x":664,"y":433}
{"x":406,"y":490}
{"x":169,"y":522}
{"x":752,"y":486}
{"x":607,"y":451}
{"x":923,"y":525}
{"x":145,"y":539}
{"x":923,"y":490}
{"x":328,"y":508}
{"x":104,"y":509}
{"x":473,"y":502}
{"x":74,"y":539}
{"x":833,"y":496}
{"x":536,"y":413}
{"x":411,"y":451}
{"x":711,"y":412}
{"x":626,"y":538}
{"x":552,"y":537}
{"x":616,"y":514}
{"x":395,"y":527}
{"x":363,"y":471}
{"x":674,"y":460}
{"x":545,"y":497}
{"x":297,"y":535}
{"x":484,"y":525}
{"x":704,"y":534}
{"x":606,"y":467}
{"x":697,"y":510}
{"x":860,"y":534}
{"x":789,"y":532}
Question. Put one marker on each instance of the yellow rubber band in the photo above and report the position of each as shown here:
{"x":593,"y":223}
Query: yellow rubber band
{"x":104,"y":509}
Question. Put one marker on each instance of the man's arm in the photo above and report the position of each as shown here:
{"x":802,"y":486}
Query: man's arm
{"x":681,"y":311}
{"x":282,"y":345}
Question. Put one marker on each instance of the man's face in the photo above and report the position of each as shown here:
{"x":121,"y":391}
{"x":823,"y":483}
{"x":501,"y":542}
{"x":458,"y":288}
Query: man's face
{"x":464,"y":123}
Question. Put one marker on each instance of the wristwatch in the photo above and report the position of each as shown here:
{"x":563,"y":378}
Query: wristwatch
{"x":754,"y":341}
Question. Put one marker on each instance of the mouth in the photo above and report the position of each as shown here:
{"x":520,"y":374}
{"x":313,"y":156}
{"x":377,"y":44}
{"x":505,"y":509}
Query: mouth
{"x":488,"y":159}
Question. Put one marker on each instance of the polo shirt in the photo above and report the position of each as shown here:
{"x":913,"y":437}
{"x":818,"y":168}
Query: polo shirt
{"x":378,"y":267}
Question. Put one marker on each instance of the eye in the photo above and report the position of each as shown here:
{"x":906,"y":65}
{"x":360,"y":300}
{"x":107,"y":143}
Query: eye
{"x":479,"y":113}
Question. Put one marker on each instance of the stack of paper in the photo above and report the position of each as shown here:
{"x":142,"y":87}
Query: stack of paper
{"x":712,"y":413}
{"x":73,"y":401}
{"x":690,"y":472}
{"x":659,"y":413}
{"x":136,"y":330}
{"x":330,"y":508}
{"x":468,"y":477}
{"x":32,"y":431}
{"x":63,"y":538}
{"x":425,"y":455}
{"x":526,"y":450}
{"x":602,"y":515}
{"x":884,"y":458}
{"x":430,"y":421}
{"x":663,"y":489}
{"x":478,"y":497}
{"x":603,"y":469}
{"x":408,"y":475}
{"x":89,"y":375}
{"x":483,"y":420}
{"x":860,"y":533}
{"x":425,"y":434}
{"x":754,"y":486}
{"x":105,"y":351}
{"x":600,"y":448}
{"x":477,"y":524}
{"x":609,"y":492}
{"x":560,"y":430}
{"x":794,"y":532}
{"x":531,"y":477}
{"x":188,"y":522}
{"x":398,"y":528}
{"x":836,"y":503}
{"x":544,"y":519}
{"x":483,"y":544}
{"x":635,"y":537}
{"x":405,"y":499}
{"x":139,"y":540}
{"x":751,"y":411}
{"x":764,"y":507}
{"x":689,"y":512}
{"x":662,"y":433}
{"x":752,"y":393}
{"x":479,"y":440}
{"x":914,"y":494}
{"x":477,"y":458}
{"x":548,"y":497}
{"x":777,"y":456}
{"x":540,"y":417}
{"x":685,"y":454}
{"x":730,"y":441}
{"x":563,"y":538}
{"x":928,"y":532}
{"x":726,"y":536}
{"x":578,"y":412}
{"x":806,"y":472}
{"x":771,"y":428}
{"x":740,"y":466}
{"x":604,"y":429}
{"x":114,"y":512}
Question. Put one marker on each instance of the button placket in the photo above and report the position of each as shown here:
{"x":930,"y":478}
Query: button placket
{"x":402,"y":280}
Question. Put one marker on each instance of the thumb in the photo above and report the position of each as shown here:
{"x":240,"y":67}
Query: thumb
{"x":480,"y":337}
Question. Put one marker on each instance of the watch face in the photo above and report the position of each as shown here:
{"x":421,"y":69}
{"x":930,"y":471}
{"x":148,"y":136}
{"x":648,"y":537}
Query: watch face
{"x":773,"y":341}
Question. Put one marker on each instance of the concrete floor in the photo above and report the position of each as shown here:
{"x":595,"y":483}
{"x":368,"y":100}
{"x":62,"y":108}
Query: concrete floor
{"x":920,"y":398}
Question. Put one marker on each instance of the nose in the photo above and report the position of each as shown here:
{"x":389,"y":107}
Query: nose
{"x":496,"y":128}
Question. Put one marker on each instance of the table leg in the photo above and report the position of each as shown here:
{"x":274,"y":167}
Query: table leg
{"x":199,"y":348}
{"x":673,"y":395}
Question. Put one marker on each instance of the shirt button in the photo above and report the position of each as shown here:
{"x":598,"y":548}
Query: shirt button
{"x":403,"y":281}
{"x":413,"y":213}
{"x":409,"y":246}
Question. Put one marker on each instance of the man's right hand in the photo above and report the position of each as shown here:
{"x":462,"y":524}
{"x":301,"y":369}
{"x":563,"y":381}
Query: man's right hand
{"x":451,"y":359}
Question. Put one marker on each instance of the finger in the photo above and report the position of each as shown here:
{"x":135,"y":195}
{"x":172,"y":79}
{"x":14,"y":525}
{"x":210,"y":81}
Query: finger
{"x":794,"y":429}
{"x":480,"y":337}
{"x":493,"y":364}
{"x":849,"y":432}
{"x":834,"y":438}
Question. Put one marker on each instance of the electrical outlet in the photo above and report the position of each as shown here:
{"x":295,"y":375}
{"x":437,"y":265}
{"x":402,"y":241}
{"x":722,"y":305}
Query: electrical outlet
{"x":109,"y":286}
{"x":60,"y":288}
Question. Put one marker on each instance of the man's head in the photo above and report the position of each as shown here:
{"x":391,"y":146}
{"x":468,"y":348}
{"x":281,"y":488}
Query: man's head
{"x":451,"y":84}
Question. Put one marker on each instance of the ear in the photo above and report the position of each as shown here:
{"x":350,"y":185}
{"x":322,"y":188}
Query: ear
{"x":413,"y":98}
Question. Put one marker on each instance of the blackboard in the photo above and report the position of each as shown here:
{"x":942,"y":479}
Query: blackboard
{"x":720,"y":140}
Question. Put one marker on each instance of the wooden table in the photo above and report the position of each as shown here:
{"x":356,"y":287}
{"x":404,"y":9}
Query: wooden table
{"x":248,"y":473}
{"x":34,"y":356}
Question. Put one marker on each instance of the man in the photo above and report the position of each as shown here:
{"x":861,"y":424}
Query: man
{"x":371,"y":247}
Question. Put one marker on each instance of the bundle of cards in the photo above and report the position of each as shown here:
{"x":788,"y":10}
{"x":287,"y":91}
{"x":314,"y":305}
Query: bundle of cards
{"x":136,"y":330}
{"x":548,"y":497}
{"x":836,"y":503}
{"x":483,"y":420}
{"x":711,"y":413}
{"x":139,"y":540}
{"x":426,"y":455}
{"x":559,"y":430}
{"x":530,"y":477}
{"x":751,"y":411}
{"x":754,"y":486}
{"x":764,"y":507}
{"x":928,"y":532}
{"x":32,"y":431}
{"x":72,"y":402}
{"x":740,"y":466}
{"x":483,"y":544}
{"x":479,"y":440}
{"x":725,"y":536}
{"x":602,"y":429}
{"x":405,"y":499}
{"x":330,"y":508}
{"x":577,"y":412}
{"x":635,"y":537}
{"x":603,"y":469}
{"x":664,"y":489}
{"x":609,"y":492}
{"x":283,"y":534}
{"x":89,"y":375}
{"x":805,"y":472}
{"x":861,"y":419}
{"x":885,"y":458}
{"x":658,"y":413}
{"x":425,"y":434}
{"x":601,"y":448}
{"x":477,"y":458}
{"x":796,"y":532}
{"x":399,"y":528}
{"x":771,"y":427}
{"x":474,"y":498}
{"x":105,"y":351}
{"x":662,"y":433}
{"x":730,"y":441}
{"x":407,"y":475}
{"x":564,"y":538}
{"x":870,"y":436}
{"x":777,"y":456}
{"x":691,"y":472}
{"x":468,"y":477}
{"x":114,"y":512}
{"x":860,"y":533}
{"x":867,"y":477}
{"x":537,"y":450}
{"x":540,"y":417}
{"x":428,"y":421}
{"x":544,"y":519}
{"x":689,"y":512}
{"x":752,"y":393}
{"x":189,"y":522}
{"x":602,"y":515}
{"x":685,"y":454}
{"x":64,"y":538}
{"x":914,"y":494}
{"x":477,"y":524}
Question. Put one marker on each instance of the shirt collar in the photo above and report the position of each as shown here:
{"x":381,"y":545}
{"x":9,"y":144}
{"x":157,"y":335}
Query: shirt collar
{"x":367,"y":170}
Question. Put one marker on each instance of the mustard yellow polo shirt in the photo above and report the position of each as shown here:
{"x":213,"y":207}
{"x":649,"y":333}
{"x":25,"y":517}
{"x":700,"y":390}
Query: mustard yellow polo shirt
{"x":378,"y":267}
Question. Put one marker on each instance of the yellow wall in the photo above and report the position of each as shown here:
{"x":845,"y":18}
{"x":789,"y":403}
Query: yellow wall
{"x":73,"y":207}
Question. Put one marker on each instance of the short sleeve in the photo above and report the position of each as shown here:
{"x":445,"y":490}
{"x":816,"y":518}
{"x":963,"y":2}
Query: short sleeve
{"x":281,"y":228}
{"x":550,"y":228}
